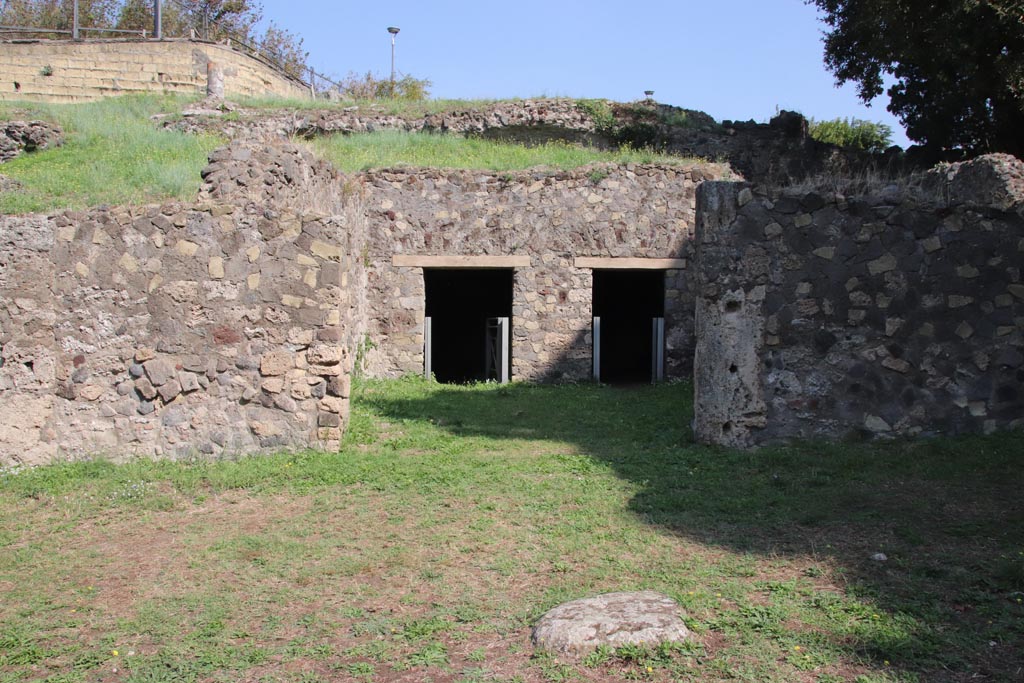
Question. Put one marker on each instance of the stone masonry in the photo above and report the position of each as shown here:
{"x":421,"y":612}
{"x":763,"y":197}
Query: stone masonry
{"x":551,"y":219}
{"x":896,"y":313}
{"x":233,"y":324}
{"x":225,"y":327}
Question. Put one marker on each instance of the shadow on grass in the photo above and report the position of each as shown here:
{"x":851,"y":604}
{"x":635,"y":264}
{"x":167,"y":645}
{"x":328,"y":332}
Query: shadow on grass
{"x":947,"y":513}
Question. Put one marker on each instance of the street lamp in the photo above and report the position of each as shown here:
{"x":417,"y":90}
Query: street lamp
{"x":393,"y":30}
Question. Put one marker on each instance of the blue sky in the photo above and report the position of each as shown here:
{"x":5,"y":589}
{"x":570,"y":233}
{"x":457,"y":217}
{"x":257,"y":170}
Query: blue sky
{"x":734,"y":60}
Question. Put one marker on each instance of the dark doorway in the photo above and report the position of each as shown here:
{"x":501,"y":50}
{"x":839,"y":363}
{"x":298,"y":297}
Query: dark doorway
{"x":627,"y":303}
{"x":462,"y":305}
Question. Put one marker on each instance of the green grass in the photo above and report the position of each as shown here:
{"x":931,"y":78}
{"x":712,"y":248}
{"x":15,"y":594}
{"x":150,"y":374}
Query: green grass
{"x":404,"y":108}
{"x":388,"y":149}
{"x":455,"y":516}
{"x":113,"y":154}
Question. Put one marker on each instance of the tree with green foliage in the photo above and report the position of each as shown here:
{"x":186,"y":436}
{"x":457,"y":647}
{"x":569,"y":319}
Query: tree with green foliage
{"x":867,"y":136}
{"x":954,"y":68}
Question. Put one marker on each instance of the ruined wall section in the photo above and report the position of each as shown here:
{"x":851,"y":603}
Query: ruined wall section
{"x":549,"y":217}
{"x":173,"y":330}
{"x":66,"y":71}
{"x":893,"y":314}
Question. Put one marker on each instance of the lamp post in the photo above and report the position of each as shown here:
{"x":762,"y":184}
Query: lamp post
{"x":393,"y":30}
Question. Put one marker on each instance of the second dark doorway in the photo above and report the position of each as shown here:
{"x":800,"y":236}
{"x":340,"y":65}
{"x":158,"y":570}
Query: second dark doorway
{"x":627,"y":303}
{"x":462,"y":305}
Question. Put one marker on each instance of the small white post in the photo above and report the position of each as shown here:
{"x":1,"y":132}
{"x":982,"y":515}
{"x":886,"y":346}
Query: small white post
{"x":657,"y":350}
{"x":597,"y":348}
{"x":503,"y":331}
{"x":428,"y":370}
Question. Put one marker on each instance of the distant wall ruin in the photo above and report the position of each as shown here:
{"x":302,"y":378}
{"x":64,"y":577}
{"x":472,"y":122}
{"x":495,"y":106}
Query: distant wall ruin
{"x":66,"y":71}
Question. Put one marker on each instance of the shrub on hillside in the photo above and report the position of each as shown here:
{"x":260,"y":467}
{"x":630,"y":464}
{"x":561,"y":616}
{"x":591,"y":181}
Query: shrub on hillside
{"x":369,"y":87}
{"x":853,"y":133}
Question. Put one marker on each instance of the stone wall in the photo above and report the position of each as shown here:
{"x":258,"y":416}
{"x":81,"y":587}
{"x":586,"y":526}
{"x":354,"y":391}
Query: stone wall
{"x":776,"y":152}
{"x":227,"y":326}
{"x":549,"y":218}
{"x":65,"y":71}
{"x":18,"y":137}
{"x":897,"y":313}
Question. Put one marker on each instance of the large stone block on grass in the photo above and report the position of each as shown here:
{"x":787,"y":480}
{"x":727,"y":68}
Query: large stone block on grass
{"x":613,"y":619}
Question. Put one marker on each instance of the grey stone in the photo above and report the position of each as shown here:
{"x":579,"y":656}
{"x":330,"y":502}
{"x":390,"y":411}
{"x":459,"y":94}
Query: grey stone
{"x":146,"y":407}
{"x":136,"y":370}
{"x":174,"y":416}
{"x":126,"y":407}
{"x":169,"y":390}
{"x":80,"y":375}
{"x":145,"y":388}
{"x":189,"y":382}
{"x":318,"y":390}
{"x":159,"y":371}
{"x":286,"y":403}
{"x":613,"y":620}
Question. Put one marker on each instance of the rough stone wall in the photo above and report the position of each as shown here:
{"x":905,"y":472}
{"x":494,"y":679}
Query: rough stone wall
{"x":826,"y":316}
{"x":777,"y":152}
{"x":65,"y":71}
{"x":551,"y":218}
{"x":228,"y":326}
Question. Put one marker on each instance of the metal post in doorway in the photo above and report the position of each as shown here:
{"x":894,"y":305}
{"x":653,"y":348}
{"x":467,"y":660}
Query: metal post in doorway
{"x":428,"y":364}
{"x":657,"y":350}
{"x":597,"y":348}
{"x":504,"y":360}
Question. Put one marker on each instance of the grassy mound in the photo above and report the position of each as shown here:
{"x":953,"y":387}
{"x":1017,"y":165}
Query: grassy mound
{"x":113,"y":154}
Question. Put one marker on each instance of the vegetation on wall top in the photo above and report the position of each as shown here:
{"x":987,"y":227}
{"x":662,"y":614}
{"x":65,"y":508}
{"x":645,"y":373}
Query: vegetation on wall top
{"x":867,"y":136}
{"x":113,"y":154}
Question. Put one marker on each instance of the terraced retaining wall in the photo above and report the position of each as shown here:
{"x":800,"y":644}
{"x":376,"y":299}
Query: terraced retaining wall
{"x":820,"y":315}
{"x":66,"y":71}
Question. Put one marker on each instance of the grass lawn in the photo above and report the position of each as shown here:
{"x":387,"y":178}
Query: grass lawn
{"x":386,"y":149}
{"x":113,"y":154}
{"x":455,"y":516}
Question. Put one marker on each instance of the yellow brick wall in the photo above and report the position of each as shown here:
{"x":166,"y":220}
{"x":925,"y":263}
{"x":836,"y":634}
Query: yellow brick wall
{"x":65,"y":71}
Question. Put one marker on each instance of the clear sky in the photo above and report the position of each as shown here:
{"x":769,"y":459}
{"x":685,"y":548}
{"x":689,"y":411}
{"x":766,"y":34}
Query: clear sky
{"x":738,"y":60}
